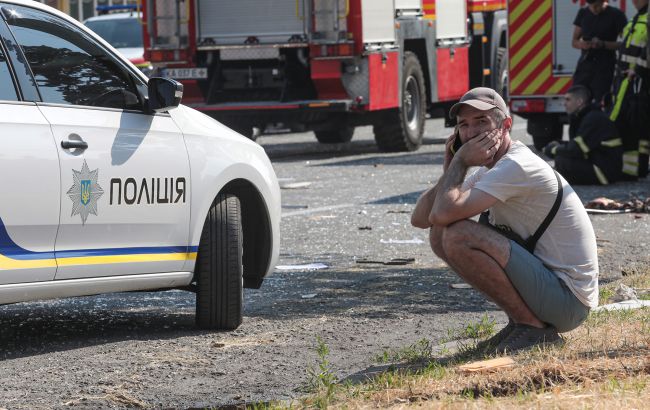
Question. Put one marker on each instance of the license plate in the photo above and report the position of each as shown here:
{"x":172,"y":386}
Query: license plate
{"x":185,"y":73}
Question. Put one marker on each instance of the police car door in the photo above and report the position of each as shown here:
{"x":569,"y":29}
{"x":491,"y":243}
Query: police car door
{"x":124,"y":172}
{"x":29,"y":176}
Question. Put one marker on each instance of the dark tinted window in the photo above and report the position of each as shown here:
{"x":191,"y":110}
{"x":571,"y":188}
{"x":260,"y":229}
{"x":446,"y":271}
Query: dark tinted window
{"x":7,"y":89}
{"x":69,"y":67}
{"x":119,"y":32}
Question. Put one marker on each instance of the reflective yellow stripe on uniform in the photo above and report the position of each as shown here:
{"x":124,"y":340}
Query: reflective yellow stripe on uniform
{"x":644,"y":147}
{"x":631,"y":162}
{"x":619,"y":99}
{"x":601,"y":176}
{"x":583,"y":147}
{"x":616,"y":142}
{"x":626,"y":58}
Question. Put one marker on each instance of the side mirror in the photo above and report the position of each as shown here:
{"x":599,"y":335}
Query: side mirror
{"x":164,"y":94}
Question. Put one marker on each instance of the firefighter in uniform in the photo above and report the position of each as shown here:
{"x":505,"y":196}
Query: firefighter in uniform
{"x":593,"y":154}
{"x":631,"y":109}
{"x":596,"y":28}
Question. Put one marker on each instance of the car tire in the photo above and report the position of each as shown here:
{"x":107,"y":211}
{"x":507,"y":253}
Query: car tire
{"x":335,"y":135}
{"x":219,"y":269}
{"x":402,"y":129}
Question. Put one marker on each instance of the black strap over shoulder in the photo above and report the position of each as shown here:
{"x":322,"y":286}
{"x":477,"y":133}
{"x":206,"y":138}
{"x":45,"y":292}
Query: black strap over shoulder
{"x":530,"y":243}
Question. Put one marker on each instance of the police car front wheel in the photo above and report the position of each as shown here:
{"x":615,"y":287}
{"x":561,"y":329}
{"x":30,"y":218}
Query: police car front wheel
{"x":219,"y":269}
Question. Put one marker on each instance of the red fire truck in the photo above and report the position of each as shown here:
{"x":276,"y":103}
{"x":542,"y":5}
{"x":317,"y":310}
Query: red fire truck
{"x":328,"y":65}
{"x":542,"y":61}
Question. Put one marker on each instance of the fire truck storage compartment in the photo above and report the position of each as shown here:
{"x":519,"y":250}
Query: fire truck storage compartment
{"x":453,"y":68}
{"x":451,"y":19}
{"x":229,"y":22}
{"x":408,"y":5}
{"x":384,"y":80}
{"x":378,"y":18}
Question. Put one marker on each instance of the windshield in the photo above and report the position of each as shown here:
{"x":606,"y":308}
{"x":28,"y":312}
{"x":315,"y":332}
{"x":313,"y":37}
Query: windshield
{"x":120,"y":33}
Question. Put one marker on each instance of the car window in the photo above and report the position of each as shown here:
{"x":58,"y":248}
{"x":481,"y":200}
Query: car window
{"x":69,"y":67}
{"x":119,"y":32}
{"x":7,"y":88}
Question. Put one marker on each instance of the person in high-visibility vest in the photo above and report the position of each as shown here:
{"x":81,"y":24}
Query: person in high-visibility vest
{"x":631,"y":109}
{"x":593,"y":154}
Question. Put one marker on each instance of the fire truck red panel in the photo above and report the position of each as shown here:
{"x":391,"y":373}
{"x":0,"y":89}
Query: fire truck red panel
{"x":326,"y":75}
{"x":453,"y":69}
{"x":384,"y":80}
{"x":192,"y":92}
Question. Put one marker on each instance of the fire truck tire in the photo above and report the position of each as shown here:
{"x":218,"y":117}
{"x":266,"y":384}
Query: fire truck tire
{"x":219,"y":269}
{"x":335,"y":135}
{"x":501,"y":80}
{"x":402,"y":129}
{"x":544,"y":129}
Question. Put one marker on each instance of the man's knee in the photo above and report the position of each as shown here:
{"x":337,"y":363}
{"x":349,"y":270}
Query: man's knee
{"x":435,"y":240}
{"x":455,"y":237}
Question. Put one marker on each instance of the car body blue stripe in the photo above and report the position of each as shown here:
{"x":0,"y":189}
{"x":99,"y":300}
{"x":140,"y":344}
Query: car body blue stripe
{"x":11,"y":250}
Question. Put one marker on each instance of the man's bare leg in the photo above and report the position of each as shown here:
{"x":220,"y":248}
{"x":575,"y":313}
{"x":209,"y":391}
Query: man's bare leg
{"x":479,"y":255}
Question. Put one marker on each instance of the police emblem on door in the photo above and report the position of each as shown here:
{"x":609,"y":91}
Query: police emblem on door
{"x":85,"y":192}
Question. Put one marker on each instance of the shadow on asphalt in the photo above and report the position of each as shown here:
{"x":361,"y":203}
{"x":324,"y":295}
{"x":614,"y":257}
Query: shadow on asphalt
{"x":363,"y":292}
{"x":32,"y":329}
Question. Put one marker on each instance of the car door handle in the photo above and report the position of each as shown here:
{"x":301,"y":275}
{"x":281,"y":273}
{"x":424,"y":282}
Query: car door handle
{"x":73,"y":144}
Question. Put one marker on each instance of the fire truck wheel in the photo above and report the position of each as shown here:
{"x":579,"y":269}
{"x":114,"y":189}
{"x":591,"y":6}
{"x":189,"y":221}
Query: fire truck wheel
{"x":502,"y":72}
{"x":402,"y":129}
{"x":335,"y":135}
{"x":219,"y":269}
{"x":544,"y":129}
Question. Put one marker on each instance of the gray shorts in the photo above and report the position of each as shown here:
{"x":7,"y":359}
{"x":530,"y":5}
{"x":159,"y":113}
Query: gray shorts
{"x":544,"y":293}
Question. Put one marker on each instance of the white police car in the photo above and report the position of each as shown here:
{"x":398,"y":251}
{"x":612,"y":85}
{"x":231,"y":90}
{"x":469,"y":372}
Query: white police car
{"x":108,"y":184}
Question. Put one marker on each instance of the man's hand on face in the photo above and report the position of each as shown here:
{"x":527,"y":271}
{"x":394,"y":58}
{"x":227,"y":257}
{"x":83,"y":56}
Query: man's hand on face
{"x":481,"y":149}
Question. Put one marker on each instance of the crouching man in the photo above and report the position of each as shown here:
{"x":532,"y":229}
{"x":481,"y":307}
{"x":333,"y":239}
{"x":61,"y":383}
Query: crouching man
{"x":536,"y":258}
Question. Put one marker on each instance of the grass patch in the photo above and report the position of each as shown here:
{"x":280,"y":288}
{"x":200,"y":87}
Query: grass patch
{"x":605,"y":363}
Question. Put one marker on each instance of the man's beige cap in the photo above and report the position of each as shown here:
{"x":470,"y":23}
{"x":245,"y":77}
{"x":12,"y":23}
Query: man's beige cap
{"x":481,"y":98}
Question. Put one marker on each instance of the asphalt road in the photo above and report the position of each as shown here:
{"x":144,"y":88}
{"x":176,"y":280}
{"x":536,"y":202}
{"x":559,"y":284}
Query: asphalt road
{"x":342,"y":205}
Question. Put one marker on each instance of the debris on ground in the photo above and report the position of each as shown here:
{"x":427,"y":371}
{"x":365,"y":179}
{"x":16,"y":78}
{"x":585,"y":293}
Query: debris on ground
{"x":607,"y":205}
{"x":392,"y":211}
{"x":491,"y":365}
{"x":393,"y":261}
{"x":460,"y":286}
{"x":625,"y":305}
{"x":295,"y":185}
{"x":308,"y":266}
{"x":623,"y":293}
{"x":365,"y":228}
{"x":414,"y":241}
{"x":309,"y":296}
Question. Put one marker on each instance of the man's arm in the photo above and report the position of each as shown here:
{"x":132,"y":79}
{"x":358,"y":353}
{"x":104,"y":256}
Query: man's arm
{"x":452,"y":203}
{"x":577,"y":41}
{"x":420,"y":215}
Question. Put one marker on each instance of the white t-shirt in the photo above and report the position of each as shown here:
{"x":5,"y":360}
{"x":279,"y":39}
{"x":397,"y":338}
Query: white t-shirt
{"x":526,"y":188}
